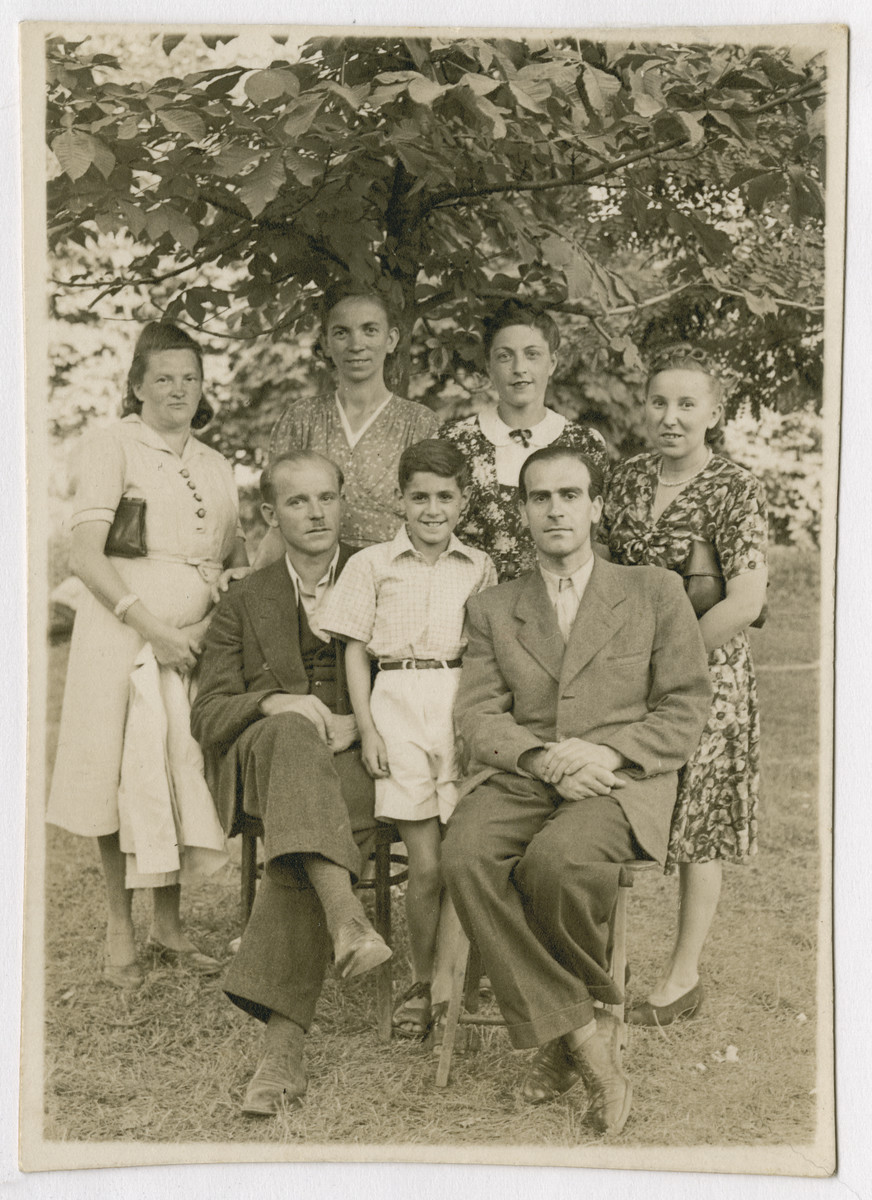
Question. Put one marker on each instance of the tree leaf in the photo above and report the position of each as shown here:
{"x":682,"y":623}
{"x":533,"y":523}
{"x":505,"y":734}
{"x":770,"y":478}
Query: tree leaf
{"x":763,"y":188}
{"x":482,"y":85}
{"x":352,"y":96}
{"x":306,"y":170}
{"x":723,"y":118}
{"x":302,"y":114}
{"x":76,"y":151}
{"x":182,"y":120}
{"x":181,"y":228}
{"x":157,"y":223}
{"x":128,"y":129}
{"x":262,"y":185}
{"x":103,"y":158}
{"x":526,"y":101}
{"x":217,"y":39}
{"x":263,"y":86}
{"x":693,"y":127}
{"x":234,"y":159}
{"x":424,"y":91}
{"x":134,"y":217}
{"x":170,"y":41}
{"x":599,"y":86}
{"x":760,"y":304}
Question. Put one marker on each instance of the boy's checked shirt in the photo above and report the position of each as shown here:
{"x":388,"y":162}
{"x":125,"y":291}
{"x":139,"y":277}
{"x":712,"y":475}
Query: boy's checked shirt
{"x":400,"y":606}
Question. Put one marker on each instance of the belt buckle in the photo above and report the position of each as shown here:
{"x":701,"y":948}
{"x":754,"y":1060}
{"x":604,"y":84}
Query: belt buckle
{"x":408,"y":664}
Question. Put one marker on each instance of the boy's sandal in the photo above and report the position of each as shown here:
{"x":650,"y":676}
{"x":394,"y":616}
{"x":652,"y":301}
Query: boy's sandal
{"x":411,"y":1019}
{"x":436,"y":1036}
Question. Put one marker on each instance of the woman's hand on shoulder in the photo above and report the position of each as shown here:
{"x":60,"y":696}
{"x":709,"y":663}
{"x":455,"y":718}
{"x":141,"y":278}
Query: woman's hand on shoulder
{"x":228,"y":576}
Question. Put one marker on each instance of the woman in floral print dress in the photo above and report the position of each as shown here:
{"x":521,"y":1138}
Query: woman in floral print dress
{"x":657,"y":504}
{"x":520,"y":345}
{"x":363,"y":426}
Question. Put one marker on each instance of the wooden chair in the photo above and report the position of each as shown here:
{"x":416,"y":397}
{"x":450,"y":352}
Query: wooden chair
{"x":466,"y":974}
{"x":383,"y":879}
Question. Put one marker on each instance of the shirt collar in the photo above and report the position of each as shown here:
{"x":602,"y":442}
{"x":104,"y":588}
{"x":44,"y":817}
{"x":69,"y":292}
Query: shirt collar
{"x":401,"y":544}
{"x":150,"y":437}
{"x":498,"y":432}
{"x":354,"y":436}
{"x":326,"y":580}
{"x":580,"y":578}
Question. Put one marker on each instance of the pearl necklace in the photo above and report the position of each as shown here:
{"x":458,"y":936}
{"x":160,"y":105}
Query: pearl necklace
{"x":680,"y":482}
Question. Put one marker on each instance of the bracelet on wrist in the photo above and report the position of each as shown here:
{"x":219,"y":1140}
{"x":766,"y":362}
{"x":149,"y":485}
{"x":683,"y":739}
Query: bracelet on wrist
{"x":124,"y":605}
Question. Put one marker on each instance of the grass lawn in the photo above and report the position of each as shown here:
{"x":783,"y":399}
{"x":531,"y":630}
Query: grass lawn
{"x":170,"y":1063}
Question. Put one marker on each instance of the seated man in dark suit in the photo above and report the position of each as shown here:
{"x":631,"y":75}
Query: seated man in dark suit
{"x":584,"y":688}
{"x":269,"y":709}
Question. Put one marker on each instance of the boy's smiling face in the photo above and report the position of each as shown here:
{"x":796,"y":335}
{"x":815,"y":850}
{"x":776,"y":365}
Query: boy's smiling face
{"x":433,"y":504}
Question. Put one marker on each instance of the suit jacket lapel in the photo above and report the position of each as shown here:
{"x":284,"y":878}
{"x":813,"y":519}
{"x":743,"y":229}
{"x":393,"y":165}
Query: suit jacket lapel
{"x":272,"y":606}
{"x":599,"y":618}
{"x":539,"y":634}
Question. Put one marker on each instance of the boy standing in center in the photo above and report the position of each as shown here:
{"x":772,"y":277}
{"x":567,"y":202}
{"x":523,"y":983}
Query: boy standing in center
{"x":402,"y":602}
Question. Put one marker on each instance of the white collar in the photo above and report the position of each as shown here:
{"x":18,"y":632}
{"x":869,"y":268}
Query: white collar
{"x":498,"y":432}
{"x":353,"y":436}
{"x":401,"y":543}
{"x":150,"y":437}
{"x":579,"y":578}
{"x":326,"y":580}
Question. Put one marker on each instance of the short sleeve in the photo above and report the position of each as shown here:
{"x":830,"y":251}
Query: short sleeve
{"x":742,"y":535}
{"x":98,"y":473}
{"x":350,"y":608}
{"x":426,"y":425}
{"x":288,"y":433}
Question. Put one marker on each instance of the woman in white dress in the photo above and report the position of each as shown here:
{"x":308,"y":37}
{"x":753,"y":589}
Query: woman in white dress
{"x":162,"y":600}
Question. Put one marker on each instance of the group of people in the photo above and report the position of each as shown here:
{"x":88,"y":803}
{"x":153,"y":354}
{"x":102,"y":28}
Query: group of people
{"x":439,"y":630}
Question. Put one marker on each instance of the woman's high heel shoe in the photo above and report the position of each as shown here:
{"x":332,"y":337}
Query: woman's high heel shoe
{"x":684,"y":1007}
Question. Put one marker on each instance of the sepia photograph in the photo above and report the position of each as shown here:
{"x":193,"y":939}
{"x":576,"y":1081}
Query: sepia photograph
{"x":433,"y":448}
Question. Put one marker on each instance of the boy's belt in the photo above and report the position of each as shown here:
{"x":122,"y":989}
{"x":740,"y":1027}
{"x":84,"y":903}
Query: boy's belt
{"x":418,"y":664}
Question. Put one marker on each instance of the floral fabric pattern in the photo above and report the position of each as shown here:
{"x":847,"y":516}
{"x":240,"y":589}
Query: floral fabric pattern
{"x":371,"y":512}
{"x":491,"y":520}
{"x":718,"y":792}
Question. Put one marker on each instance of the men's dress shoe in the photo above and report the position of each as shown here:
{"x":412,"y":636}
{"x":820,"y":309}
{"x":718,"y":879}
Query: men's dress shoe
{"x":279,"y":1082}
{"x":194,"y":960}
{"x":552,"y":1072}
{"x":599,"y":1062}
{"x":685,"y":1006}
{"x":358,"y":948}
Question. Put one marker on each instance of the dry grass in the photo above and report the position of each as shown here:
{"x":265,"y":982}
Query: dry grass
{"x":170,"y":1063}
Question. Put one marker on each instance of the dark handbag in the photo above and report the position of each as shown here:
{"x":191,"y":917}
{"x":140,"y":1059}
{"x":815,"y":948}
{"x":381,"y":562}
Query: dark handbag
{"x":126,"y":537}
{"x":704,"y":580}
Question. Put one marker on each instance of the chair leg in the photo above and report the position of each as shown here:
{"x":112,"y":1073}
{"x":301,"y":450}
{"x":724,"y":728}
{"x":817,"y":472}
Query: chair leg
{"x":619,"y":955}
{"x":384,"y":976}
{"x":452,"y":1016}
{"x":249,"y":876}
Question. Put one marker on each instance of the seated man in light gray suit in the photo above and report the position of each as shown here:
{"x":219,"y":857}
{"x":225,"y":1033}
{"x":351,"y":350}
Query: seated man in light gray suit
{"x":585,"y":687}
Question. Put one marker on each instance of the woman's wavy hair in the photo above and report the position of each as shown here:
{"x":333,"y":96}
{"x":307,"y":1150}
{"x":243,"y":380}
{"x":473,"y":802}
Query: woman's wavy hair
{"x":157,"y":336}
{"x":682,"y":356}
{"x":520,"y":312}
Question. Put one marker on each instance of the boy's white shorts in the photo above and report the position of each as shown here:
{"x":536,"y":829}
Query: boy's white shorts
{"x":414,"y":713}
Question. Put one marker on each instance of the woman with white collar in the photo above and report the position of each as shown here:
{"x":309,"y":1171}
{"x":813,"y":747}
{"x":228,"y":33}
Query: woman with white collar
{"x":520,"y":343}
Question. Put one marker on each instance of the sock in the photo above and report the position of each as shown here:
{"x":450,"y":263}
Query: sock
{"x":332,"y":884}
{"x":577,"y":1037}
{"x":283,"y":1036}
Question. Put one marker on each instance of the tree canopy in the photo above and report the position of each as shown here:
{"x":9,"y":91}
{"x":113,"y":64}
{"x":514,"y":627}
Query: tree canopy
{"x":648,"y":191}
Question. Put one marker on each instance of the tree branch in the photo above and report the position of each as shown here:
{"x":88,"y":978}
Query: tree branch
{"x":446,"y":198}
{"x":450,"y":196}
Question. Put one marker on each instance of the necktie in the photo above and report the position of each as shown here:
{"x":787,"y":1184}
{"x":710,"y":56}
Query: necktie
{"x":567,"y":606}
{"x":524,"y":436}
